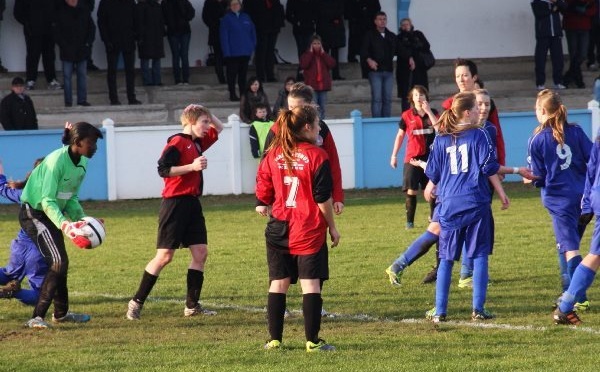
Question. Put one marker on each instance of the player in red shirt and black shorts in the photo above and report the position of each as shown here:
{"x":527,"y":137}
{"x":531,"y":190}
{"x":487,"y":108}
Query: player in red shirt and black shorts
{"x":181,"y":222}
{"x":293,"y":187}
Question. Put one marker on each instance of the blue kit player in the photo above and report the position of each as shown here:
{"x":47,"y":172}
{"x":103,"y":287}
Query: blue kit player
{"x":461,"y":166}
{"x":558,"y":154}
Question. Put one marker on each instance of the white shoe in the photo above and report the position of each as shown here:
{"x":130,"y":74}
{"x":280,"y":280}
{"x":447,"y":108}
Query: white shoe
{"x":30,"y":85}
{"x":133,"y":310}
{"x":37,"y":322}
{"x":54,"y":85}
{"x":541,"y":87}
{"x":559,"y":86}
{"x":198,"y":310}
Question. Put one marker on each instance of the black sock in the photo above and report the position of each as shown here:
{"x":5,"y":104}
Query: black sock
{"x":411,"y":207}
{"x":275,"y":312}
{"x":148,"y":281}
{"x":195,"y":279}
{"x":311,"y":309}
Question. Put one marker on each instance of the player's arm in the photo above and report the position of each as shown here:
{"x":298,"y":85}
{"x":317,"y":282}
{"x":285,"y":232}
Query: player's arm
{"x":495,"y":181}
{"x":265,"y":193}
{"x":216,"y":123}
{"x":322,"y":185}
{"x":7,"y":192}
{"x":167,"y":164}
{"x":396,"y":149}
{"x":336,"y":173}
{"x":522,"y":171}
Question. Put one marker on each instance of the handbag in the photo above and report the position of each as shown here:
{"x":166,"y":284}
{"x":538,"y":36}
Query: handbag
{"x":428,"y":59}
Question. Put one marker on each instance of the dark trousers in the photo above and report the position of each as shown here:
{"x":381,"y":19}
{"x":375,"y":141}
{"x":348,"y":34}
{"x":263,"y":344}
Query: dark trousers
{"x":542,"y":46}
{"x":577,"y":42}
{"x":302,"y":38}
{"x":40,"y":45}
{"x":406,"y":79}
{"x":180,"y":46}
{"x":335,"y":54}
{"x":593,"y":53}
{"x":264,"y":55}
{"x":50,"y":241}
{"x":218,"y":52}
{"x":355,"y":37}
{"x":112,"y":58}
{"x":237,"y":69}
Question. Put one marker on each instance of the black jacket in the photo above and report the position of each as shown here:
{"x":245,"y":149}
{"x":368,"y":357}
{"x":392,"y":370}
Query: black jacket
{"x":150,"y":29}
{"x":330,"y":23}
{"x":177,"y":16}
{"x":17,"y":113}
{"x":410,"y":44}
{"x":301,"y":14}
{"x":212,"y":12}
{"x":74,"y":31}
{"x":266,"y":20}
{"x":36,"y":16}
{"x":116,"y":24}
{"x":547,"y":18}
{"x":380,"y":49}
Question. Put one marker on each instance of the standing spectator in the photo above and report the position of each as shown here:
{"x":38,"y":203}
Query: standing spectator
{"x":330,"y":26}
{"x":238,"y":40}
{"x":253,"y":94}
{"x":37,"y":16}
{"x":301,"y":14}
{"x":212,"y":12}
{"x":593,"y":53}
{"x":316,"y":65}
{"x":268,"y":17}
{"x":74,"y":33}
{"x":577,"y":23}
{"x":378,"y":49}
{"x":548,"y":36}
{"x":150,"y":33}
{"x":181,"y":221}
{"x":410,"y":68}
{"x":90,"y":63}
{"x":281,"y":101}
{"x":2,"y":9}
{"x":177,"y":16}
{"x":116,"y":23}
{"x":359,"y":14}
{"x":16,"y":109}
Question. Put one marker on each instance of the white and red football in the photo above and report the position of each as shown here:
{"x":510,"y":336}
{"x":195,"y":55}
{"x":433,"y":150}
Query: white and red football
{"x":94,"y":231}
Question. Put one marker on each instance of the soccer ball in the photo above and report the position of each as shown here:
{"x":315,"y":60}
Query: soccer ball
{"x":94,"y":231}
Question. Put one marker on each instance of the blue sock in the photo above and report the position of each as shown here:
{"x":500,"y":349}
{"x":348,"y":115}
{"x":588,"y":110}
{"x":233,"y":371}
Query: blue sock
{"x":572,"y":265}
{"x":582,"y":279}
{"x":565,"y":278}
{"x":417,"y":249}
{"x":28,"y":296}
{"x":3,"y":277}
{"x":466,"y":267}
{"x":480,"y":282}
{"x":442,"y":286}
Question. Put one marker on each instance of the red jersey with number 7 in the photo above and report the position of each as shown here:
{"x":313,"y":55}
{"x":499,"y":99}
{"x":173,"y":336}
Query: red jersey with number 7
{"x":294,"y":195}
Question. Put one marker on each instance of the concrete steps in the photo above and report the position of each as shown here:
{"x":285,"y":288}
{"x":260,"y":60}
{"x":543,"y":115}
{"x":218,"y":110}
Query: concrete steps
{"x":510,"y":81}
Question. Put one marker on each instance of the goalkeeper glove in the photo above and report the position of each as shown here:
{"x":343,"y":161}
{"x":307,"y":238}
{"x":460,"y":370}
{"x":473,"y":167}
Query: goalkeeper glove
{"x":74,"y":232}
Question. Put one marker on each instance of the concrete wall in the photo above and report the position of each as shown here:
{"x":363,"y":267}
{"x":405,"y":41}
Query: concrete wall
{"x":125,"y":165}
{"x":467,"y":28}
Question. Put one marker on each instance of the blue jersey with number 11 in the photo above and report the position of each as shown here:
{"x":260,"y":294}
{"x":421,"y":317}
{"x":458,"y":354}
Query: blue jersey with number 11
{"x":459,"y":165}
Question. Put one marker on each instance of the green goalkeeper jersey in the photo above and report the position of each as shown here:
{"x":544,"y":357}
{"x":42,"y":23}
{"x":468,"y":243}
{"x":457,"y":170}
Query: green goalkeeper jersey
{"x":54,"y":184}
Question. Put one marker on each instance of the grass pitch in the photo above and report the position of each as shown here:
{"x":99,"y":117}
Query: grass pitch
{"x":376,"y":327}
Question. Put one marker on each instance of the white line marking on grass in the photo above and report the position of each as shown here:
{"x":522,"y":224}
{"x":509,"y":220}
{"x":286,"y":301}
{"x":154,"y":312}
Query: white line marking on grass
{"x":357,"y":317}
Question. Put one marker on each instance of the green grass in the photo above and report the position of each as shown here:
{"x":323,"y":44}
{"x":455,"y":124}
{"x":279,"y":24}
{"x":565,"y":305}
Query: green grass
{"x":380,"y":328}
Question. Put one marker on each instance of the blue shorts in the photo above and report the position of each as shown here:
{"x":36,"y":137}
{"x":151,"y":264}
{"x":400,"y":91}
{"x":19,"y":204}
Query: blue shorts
{"x":595,"y":243}
{"x":477,"y":238}
{"x":565,"y":214}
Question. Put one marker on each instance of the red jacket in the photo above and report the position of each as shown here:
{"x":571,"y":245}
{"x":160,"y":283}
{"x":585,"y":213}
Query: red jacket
{"x":316,"y":68}
{"x":578,"y":15}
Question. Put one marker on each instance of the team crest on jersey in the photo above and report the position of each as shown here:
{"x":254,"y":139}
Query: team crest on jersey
{"x":298,"y":164}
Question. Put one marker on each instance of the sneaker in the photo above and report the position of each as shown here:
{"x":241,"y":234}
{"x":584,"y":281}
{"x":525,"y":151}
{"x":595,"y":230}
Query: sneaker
{"x":37,"y":322}
{"x":287,"y":314}
{"x":198,"y":310}
{"x":465,"y":283}
{"x":30,"y":85}
{"x":9,"y":289}
{"x":433,"y":317}
{"x":133,"y":310}
{"x":273,"y":345}
{"x":410,"y":225}
{"x":54,"y":85}
{"x":431,"y":276}
{"x":321,"y":345}
{"x":540,"y":87}
{"x":582,"y":306}
{"x":560,"y":86}
{"x":72,"y":318}
{"x":482,"y":315}
{"x":593,"y":67}
{"x":569,"y":318}
{"x":395,"y":278}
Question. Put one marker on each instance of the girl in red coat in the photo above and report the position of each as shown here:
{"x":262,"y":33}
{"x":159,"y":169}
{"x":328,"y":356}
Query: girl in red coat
{"x":316,"y":64}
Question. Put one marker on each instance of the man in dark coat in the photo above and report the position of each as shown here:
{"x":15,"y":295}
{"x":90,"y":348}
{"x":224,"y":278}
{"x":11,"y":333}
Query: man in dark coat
{"x":16,"y":109}
{"x":212,"y":12}
{"x":74,"y":33}
{"x":268,"y":17}
{"x":177,"y":16}
{"x":116,"y":23}
{"x":37,"y":16}
{"x":150,"y":32}
{"x":301,"y":14}
{"x":330,"y":26}
{"x":359,"y":14}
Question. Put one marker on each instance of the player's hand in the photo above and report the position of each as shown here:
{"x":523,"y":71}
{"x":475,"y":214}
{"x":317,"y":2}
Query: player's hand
{"x":504,"y":200}
{"x":393,"y":162}
{"x":74,"y":232}
{"x":429,"y":192}
{"x":263,"y":210}
{"x":199,"y":163}
{"x":338,"y":207}
{"x":335,"y":237}
{"x":527,"y":174}
{"x":585,"y":218}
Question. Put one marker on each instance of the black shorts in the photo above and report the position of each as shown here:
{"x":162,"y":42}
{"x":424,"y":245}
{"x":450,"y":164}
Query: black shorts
{"x":282,"y":264}
{"x":181,"y":223}
{"x":414,"y":177}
